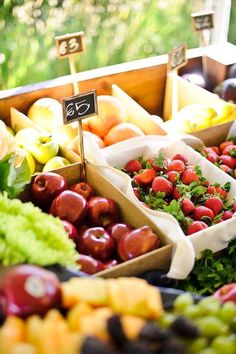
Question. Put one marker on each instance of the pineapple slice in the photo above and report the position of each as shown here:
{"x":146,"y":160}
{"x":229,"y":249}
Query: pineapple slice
{"x":76,"y":313}
{"x":11,"y":333}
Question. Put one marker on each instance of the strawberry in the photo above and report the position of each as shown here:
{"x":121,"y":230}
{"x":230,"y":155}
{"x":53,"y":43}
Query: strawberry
{"x":215,"y":204}
{"x":216,"y":149}
{"x":146,"y":205}
{"x":176,"y":165}
{"x":161,"y":184}
{"x":196,"y":226}
{"x":172,"y":176}
{"x":180,"y":157}
{"x":227,"y":215}
{"x":159,"y":163}
{"x":137,"y":180}
{"x":201,"y":212}
{"x":136,"y":192}
{"x":146,"y":176}
{"x":224,"y":144}
{"x":225,"y":168}
{"x":234,"y":205}
{"x":208,"y":150}
{"x":227,"y":150}
{"x":187,"y":206}
{"x":216,"y":190}
{"x":133,"y":166}
{"x":211,"y":190}
{"x":228,"y":161}
{"x":212,"y":157}
{"x":176,"y":193}
{"x":189,"y":176}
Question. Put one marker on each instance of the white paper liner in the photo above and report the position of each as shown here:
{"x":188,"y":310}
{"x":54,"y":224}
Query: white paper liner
{"x":185,"y":248}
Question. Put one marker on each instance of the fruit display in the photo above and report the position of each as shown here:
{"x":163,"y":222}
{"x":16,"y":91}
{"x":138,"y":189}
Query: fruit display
{"x":177,"y":187}
{"x":92,"y":222}
{"x":85,"y":315}
{"x":222,"y":156}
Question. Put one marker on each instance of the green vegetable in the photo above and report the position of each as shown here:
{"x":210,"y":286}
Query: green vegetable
{"x":13,"y":179}
{"x":27,"y":235}
{"x":212,"y":271}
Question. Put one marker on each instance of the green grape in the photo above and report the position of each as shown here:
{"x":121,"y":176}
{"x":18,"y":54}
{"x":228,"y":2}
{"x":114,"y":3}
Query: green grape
{"x":182,"y":302}
{"x":211,"y":326}
{"x":192,"y":312}
{"x":209,"y":351}
{"x":225,"y":344}
{"x":166,"y":320}
{"x":227,"y":312}
{"x":197,"y":344}
{"x":209,"y":306}
{"x":233,"y":324}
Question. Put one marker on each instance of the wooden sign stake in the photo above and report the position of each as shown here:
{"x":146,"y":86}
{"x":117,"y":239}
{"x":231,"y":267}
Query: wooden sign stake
{"x":68,"y":46}
{"x":176,"y":59}
{"x":203,"y":22}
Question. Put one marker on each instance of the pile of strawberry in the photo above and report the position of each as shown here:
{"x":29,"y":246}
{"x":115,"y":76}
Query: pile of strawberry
{"x":223,"y":156}
{"x":179,"y":188}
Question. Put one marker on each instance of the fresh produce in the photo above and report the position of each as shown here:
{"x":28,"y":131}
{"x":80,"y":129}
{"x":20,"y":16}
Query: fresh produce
{"x":223,"y":156}
{"x":178,"y":188}
{"x":92,"y":222}
{"x":56,"y":162}
{"x":122,"y":132}
{"x":232,"y":72}
{"x":227,"y":90}
{"x":212,"y":271}
{"x":226,"y":293}
{"x":28,"y":290}
{"x":30,"y":236}
{"x":195,"y":78}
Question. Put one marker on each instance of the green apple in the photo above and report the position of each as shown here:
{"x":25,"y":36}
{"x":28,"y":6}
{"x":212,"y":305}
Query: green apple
{"x":56,"y":162}
{"x":25,"y":137}
{"x":43,"y":148}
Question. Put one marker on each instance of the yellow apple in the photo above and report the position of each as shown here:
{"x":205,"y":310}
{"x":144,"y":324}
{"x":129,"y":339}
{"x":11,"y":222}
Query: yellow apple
{"x":47,"y":113}
{"x":64,"y":134}
{"x":56,"y":162}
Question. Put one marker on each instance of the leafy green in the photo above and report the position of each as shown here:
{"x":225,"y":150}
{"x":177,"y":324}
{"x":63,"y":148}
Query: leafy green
{"x":27,"y":235}
{"x":212,"y":271}
{"x":159,"y":160}
{"x":174,"y":209}
{"x":13,"y":179}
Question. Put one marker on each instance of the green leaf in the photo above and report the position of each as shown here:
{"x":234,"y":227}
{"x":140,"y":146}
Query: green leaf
{"x":159,"y":160}
{"x":232,"y":153}
{"x":200,"y":190}
{"x":227,"y":186}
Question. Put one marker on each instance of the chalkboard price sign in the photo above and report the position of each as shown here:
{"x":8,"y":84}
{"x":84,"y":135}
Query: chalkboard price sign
{"x":177,"y":57}
{"x":79,"y":107}
{"x":70,"y":44}
{"x":203,"y":20}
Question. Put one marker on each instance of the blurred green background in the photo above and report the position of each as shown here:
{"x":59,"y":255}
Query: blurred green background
{"x":116,"y":31}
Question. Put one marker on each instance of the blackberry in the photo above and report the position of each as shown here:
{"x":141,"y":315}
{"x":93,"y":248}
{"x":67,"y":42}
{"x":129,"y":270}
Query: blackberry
{"x":173,"y":345}
{"x":136,"y":347}
{"x":184,"y":327}
{"x":152,"y":333}
{"x":92,"y":345}
{"x":116,"y":332}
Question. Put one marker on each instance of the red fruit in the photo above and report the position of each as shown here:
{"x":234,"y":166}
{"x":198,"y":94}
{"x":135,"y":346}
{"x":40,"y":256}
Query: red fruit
{"x":157,"y":167}
{"x":97,"y":243}
{"x":187,"y":206}
{"x":234,"y":205}
{"x":70,"y":229}
{"x":224,"y":144}
{"x":215,"y":204}
{"x":208,"y":150}
{"x":176,"y":165}
{"x":180,"y":157}
{"x":225,"y":168}
{"x":189,"y":176}
{"x":228,"y":161}
{"x":147,"y":176}
{"x":201,"y":212}
{"x":161,"y":184}
{"x":29,"y":290}
{"x":172,"y":176}
{"x":69,"y":206}
{"x":136,"y":192}
{"x":133,"y":166}
{"x":227,"y":215}
{"x":212,"y":157}
{"x":226,"y":293}
{"x":46,"y":186}
{"x":111,"y":263}
{"x":216,"y":190}
{"x":102,"y":211}
{"x":83,"y":188}
{"x":137,"y":242}
{"x":227,"y":150}
{"x":89,"y":265}
{"x":215,"y":149}
{"x":176,"y":193}
{"x":137,"y":180}
{"x":118,"y":230}
{"x":196,"y":226}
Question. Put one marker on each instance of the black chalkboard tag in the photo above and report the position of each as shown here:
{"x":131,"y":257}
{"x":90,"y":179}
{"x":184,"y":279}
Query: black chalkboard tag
{"x":177,"y":57}
{"x":80,"y":106}
{"x":203,"y":20}
{"x":70,"y":44}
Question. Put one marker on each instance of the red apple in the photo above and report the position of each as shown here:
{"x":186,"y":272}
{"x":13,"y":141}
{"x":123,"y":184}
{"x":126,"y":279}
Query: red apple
{"x":110,"y":263}
{"x":116,"y":231}
{"x":83,"y":188}
{"x":102,"y":211}
{"x":70,"y":229}
{"x":137,"y":242}
{"x":69,"y":206}
{"x":97,"y":243}
{"x":90,"y":265}
{"x":46,"y":186}
{"x":28,"y":290}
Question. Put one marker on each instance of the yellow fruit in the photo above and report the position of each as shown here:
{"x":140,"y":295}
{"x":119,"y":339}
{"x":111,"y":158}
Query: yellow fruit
{"x":75,"y":314}
{"x":11,"y":333}
{"x":10,"y":130}
{"x":64,"y":134}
